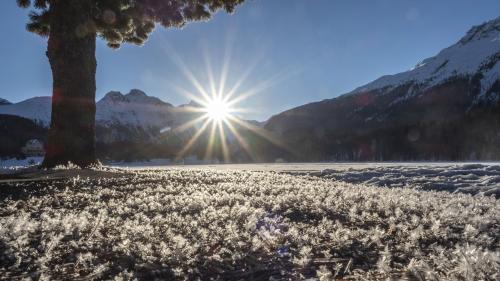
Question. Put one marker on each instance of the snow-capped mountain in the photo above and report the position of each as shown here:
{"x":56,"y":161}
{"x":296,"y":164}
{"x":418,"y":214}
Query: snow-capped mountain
{"x":133,"y":117}
{"x":477,"y":52}
{"x":118,"y":116}
{"x":134,"y":123}
{"x":4,"y":101}
{"x":447,"y":107}
{"x":36,"y":109}
{"x":133,"y":109}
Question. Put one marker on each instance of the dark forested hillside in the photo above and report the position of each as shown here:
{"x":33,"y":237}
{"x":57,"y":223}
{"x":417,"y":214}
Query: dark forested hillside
{"x":441,"y":123}
{"x":15,"y":131}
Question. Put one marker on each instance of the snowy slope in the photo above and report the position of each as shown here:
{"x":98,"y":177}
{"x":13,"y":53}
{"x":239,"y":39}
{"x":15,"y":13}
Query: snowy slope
{"x":477,"y":52}
{"x":37,"y":109}
{"x":4,"y":101}
{"x":133,"y":109}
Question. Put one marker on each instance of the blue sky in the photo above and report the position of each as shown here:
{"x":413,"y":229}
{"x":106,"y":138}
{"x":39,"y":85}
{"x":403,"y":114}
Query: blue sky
{"x":301,"y":50}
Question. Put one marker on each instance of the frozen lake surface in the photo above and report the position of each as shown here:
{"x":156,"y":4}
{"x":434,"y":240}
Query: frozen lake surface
{"x":476,"y":178}
{"x":300,"y":167}
{"x":464,"y":177}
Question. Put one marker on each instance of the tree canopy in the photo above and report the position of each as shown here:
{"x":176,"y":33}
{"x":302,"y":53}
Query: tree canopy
{"x":120,"y":21}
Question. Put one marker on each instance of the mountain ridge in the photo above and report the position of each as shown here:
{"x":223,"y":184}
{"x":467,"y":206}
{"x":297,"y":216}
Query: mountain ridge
{"x":462,"y":58}
{"x":379,"y":120}
{"x":134,"y":116}
{"x":38,"y":108}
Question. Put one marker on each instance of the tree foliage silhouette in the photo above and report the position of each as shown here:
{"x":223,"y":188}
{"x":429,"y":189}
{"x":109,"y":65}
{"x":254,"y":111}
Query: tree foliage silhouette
{"x":72,"y":27}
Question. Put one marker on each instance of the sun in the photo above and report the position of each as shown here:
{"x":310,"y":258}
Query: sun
{"x":217,"y":109}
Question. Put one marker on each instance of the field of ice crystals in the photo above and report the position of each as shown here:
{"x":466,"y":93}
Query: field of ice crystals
{"x":237,"y":225}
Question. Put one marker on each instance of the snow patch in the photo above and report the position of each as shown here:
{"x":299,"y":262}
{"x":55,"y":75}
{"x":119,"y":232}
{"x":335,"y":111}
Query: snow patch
{"x":475,"y":179}
{"x":13,"y":164}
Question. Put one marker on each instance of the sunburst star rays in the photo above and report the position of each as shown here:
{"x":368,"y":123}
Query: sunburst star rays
{"x":216,"y":104}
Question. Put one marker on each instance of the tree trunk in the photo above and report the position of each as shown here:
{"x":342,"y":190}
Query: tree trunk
{"x":71,"y":53}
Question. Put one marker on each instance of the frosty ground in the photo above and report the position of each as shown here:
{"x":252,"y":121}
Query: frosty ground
{"x":223,"y":223}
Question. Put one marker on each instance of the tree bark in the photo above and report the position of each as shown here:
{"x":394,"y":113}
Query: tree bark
{"x":71,"y":53}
